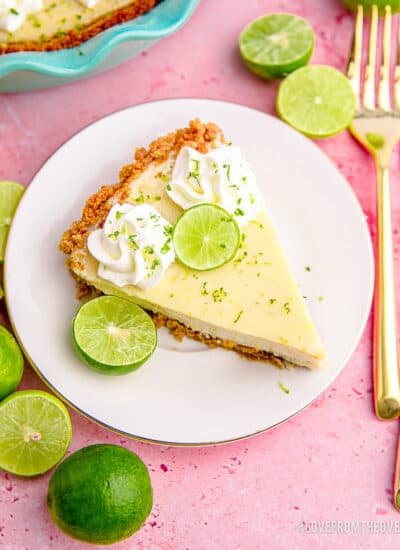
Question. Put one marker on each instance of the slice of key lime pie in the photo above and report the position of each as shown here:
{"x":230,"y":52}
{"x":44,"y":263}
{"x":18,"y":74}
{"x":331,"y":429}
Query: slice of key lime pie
{"x":46,"y":25}
{"x":124,"y":245}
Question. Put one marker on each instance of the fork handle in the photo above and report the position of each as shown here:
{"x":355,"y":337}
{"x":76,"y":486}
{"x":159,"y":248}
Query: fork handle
{"x":386,"y":353}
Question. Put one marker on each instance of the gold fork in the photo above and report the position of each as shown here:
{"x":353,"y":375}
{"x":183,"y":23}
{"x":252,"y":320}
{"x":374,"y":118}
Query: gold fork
{"x":377,"y":126}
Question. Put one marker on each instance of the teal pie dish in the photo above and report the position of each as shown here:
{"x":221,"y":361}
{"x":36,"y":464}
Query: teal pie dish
{"x":23,"y":71}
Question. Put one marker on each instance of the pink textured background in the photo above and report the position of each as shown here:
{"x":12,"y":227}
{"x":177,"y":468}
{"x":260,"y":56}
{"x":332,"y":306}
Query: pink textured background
{"x":335,"y":460}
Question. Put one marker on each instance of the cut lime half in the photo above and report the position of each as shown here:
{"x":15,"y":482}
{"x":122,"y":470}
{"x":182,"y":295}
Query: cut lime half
{"x":205,"y":237}
{"x":113,"y":335}
{"x":35,"y":432}
{"x":10,"y":194}
{"x":274,"y":45}
{"x":318,"y":101}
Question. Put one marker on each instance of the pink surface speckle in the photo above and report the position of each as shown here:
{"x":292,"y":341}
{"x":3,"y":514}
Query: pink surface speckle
{"x":334,"y":462}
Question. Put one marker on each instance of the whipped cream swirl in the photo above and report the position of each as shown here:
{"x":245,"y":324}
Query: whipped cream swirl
{"x":14,"y":12}
{"x":220,"y":177}
{"x":134,"y":247}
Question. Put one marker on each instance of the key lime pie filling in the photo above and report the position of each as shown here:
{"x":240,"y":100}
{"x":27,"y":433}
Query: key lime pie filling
{"x":123,"y":245}
{"x":41,"y":25}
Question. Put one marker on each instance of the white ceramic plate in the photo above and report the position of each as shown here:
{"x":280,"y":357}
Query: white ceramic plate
{"x":187,"y":394}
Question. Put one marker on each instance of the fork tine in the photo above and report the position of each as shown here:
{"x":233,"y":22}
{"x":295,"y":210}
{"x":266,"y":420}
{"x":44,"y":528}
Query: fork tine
{"x":397,"y":75}
{"x":354,"y":65}
{"x":369,"y":86}
{"x":384,"y":82}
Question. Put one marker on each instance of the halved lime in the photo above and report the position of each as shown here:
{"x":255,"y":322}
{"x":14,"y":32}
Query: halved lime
{"x":35,"y":432}
{"x":367,"y":5}
{"x":10,"y":194}
{"x":205,"y":237}
{"x":113,"y":335}
{"x":274,"y":45}
{"x":318,"y":101}
{"x":11,"y":363}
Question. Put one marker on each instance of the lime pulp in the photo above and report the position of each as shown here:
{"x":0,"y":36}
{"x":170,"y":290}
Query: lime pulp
{"x":274,"y":45}
{"x":11,"y":363}
{"x":113,"y":335}
{"x":317,"y":100}
{"x":35,"y":432}
{"x":10,"y":194}
{"x":205,"y":237}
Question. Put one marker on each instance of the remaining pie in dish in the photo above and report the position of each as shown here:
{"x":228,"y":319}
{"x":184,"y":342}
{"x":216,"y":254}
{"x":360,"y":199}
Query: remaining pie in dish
{"x":44,"y":25}
{"x":122,"y":246}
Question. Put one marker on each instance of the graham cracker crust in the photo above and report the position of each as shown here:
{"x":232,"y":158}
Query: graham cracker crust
{"x":75,"y":37}
{"x":196,"y":135}
{"x":179,"y":330}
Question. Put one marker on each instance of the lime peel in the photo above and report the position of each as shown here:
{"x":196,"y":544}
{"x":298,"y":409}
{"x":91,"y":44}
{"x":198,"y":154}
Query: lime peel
{"x":100,"y":494}
{"x":10,"y":195}
{"x":367,"y":5}
{"x":11,"y":363}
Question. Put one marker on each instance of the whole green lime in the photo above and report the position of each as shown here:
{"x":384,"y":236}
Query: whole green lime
{"x":11,"y":363}
{"x":100,"y":494}
{"x":367,"y":4}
